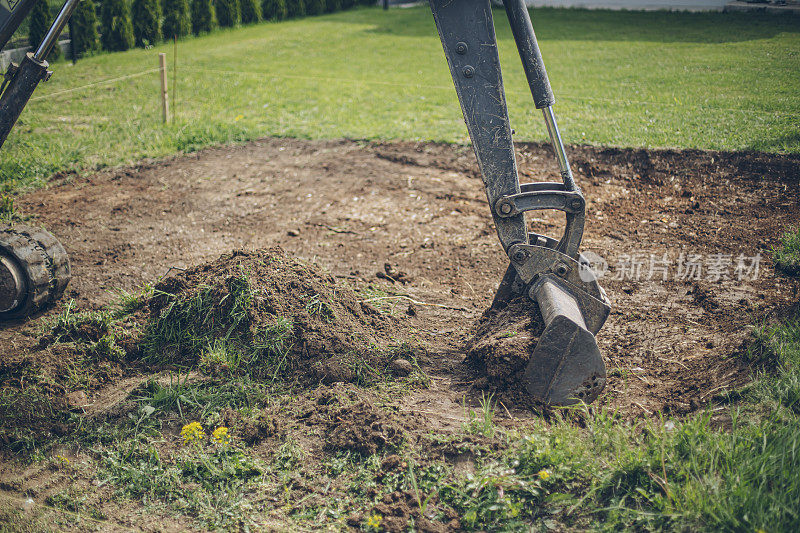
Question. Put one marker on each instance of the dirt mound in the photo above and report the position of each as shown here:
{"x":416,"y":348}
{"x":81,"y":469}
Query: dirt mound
{"x":503,"y":343}
{"x":273,"y":316}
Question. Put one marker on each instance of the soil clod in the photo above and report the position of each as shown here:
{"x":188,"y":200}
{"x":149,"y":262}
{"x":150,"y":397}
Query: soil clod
{"x":503,"y":343}
{"x":362,"y":428}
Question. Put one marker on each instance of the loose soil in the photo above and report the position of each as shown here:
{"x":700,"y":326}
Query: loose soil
{"x":330,"y":332}
{"x":409,"y":255}
{"x":420,"y":208}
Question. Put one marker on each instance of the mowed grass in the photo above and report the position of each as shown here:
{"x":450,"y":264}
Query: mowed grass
{"x":657,"y":79}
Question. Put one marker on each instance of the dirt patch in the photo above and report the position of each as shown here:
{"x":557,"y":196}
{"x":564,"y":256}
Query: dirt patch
{"x":420,"y":207}
{"x":401,"y":508}
{"x":503,"y":343}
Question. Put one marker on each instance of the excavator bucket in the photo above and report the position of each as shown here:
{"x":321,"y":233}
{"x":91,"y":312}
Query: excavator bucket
{"x":566,"y":366}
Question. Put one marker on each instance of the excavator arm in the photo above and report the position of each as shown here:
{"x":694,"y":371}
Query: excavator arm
{"x":21,"y":80}
{"x":12,"y":13}
{"x":565,"y":366}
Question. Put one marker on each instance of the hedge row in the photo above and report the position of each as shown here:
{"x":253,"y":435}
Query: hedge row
{"x":124,"y":24}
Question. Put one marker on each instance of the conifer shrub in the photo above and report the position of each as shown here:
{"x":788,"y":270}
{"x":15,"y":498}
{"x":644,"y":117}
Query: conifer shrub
{"x":177,"y":19}
{"x":85,"y":38}
{"x":228,"y":13}
{"x":146,"y":22}
{"x":116,"y":25}
{"x":203,"y":19}
{"x":315,"y":7}
{"x":295,"y":8}
{"x":274,"y":10}
{"x":251,"y":11}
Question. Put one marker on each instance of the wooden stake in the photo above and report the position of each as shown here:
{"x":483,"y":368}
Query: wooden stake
{"x":175,"y":75}
{"x":162,"y":67}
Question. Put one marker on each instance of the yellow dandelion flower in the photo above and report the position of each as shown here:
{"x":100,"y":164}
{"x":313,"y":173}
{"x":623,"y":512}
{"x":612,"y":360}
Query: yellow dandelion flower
{"x":761,"y":531}
{"x":543,"y":474}
{"x":374,"y":521}
{"x":63,"y":461}
{"x":220,"y":435}
{"x":238,"y":118}
{"x":192,"y":432}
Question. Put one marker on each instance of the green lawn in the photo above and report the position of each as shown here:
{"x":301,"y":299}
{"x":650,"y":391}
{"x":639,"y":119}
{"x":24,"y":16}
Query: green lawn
{"x":658,"y":79}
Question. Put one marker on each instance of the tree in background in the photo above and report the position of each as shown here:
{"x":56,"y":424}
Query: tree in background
{"x":251,"y":11}
{"x":202,"y":16}
{"x":85,"y":38}
{"x":315,"y":7}
{"x":177,"y":20}
{"x":347,"y":4}
{"x":115,"y":21}
{"x":274,"y":9}
{"x":332,"y":5}
{"x":295,"y":8}
{"x":40,"y":20}
{"x":228,"y":13}
{"x":146,"y":22}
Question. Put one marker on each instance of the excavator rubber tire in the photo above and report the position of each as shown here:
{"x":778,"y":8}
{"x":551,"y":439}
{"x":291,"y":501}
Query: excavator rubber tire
{"x":34,"y":270}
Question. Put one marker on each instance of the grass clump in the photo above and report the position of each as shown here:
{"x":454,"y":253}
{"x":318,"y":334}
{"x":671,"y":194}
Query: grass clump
{"x":9,"y":213}
{"x":91,"y":333}
{"x":481,"y":422}
{"x":27,"y":415}
{"x":199,"y":477}
{"x":213,"y":329}
{"x":187,"y":325}
{"x":202,"y":400}
{"x":126,"y":303}
{"x":787,"y":254}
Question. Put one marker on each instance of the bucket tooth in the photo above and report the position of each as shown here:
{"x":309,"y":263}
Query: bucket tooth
{"x":566,"y":366}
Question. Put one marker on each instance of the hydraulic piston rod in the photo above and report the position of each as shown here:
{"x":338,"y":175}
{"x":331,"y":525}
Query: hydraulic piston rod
{"x":51,"y":37}
{"x":558,"y":147}
{"x":539,"y":83}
